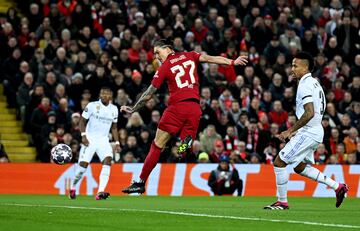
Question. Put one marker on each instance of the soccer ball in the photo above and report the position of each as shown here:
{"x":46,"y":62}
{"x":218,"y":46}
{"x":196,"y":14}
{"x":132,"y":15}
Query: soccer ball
{"x":61,"y":154}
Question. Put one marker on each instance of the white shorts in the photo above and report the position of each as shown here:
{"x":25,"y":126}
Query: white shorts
{"x":300,"y":148}
{"x":102,"y":148}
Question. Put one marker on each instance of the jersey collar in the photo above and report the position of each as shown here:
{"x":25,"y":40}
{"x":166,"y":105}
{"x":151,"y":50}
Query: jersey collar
{"x":103,"y":104}
{"x":302,"y":79}
{"x":169,"y":56}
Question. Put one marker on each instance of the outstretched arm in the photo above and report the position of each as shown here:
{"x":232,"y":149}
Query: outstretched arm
{"x":141,"y":102}
{"x":241,"y":60}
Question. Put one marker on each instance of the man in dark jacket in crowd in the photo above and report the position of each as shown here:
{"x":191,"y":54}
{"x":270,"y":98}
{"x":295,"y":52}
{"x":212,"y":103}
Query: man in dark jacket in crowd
{"x":223,"y":180}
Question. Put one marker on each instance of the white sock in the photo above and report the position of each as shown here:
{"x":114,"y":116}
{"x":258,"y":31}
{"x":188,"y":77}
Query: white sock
{"x":104,"y":177}
{"x":282,"y":178}
{"x":78,"y":175}
{"x":316,"y":175}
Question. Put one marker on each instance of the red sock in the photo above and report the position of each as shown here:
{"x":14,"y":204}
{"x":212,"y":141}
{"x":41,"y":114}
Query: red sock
{"x":150,"y":161}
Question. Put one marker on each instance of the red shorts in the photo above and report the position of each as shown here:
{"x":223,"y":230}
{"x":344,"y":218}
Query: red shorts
{"x":183,"y":117}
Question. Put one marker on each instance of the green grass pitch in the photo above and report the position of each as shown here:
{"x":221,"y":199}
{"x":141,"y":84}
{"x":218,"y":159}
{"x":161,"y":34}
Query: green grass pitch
{"x":25,"y":212}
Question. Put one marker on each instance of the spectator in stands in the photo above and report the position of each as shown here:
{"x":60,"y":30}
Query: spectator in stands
{"x":346,"y":35}
{"x":217,"y":151}
{"x":351,"y":159}
{"x":224,"y":180}
{"x":355,"y":88}
{"x":50,"y":126}
{"x":276,"y":87}
{"x":290,"y":36}
{"x":345,"y":125}
{"x":3,"y":155}
{"x":75,"y":126}
{"x":332,"y":49}
{"x":321,"y":155}
{"x":256,"y":139}
{"x":231,"y":140}
{"x":63,"y":114}
{"x":354,"y":113}
{"x":208,"y":137}
{"x":83,"y":46}
{"x":355,"y":68}
{"x":23,"y":94}
{"x":340,"y":153}
{"x":131,"y":146}
{"x":235,"y":111}
{"x":357,"y":153}
{"x":75,"y":149}
{"x":135,"y":86}
{"x":135,"y":125}
{"x":242,"y":123}
{"x":351,"y":140}
{"x":203,"y":158}
{"x":254,"y":109}
{"x":277,"y":114}
{"x":236,"y":86}
{"x":39,"y":117}
{"x":333,"y":115}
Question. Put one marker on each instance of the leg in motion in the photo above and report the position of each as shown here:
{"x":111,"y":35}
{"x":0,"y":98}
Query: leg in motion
{"x":282,"y":178}
{"x":314,"y":174}
{"x":80,"y":170}
{"x":104,"y":179}
{"x":161,"y":138}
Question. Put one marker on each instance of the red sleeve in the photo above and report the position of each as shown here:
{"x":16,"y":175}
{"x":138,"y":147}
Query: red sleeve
{"x":195,"y":55}
{"x":159,"y":77}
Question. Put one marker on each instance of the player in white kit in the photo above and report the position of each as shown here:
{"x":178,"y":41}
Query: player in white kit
{"x":305,"y":135}
{"x":98,"y":117}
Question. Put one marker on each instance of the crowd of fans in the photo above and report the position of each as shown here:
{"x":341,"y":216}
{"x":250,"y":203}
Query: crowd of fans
{"x":57,"y":55}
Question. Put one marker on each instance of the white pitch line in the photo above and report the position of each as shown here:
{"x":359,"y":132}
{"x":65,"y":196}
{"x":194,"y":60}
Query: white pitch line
{"x":191,"y":215}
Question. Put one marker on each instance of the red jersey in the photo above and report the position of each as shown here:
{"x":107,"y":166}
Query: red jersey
{"x":180,"y":71}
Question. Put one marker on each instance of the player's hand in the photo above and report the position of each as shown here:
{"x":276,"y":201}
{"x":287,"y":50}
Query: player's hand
{"x":127,"y":109}
{"x":84,"y":140}
{"x":283,"y":136}
{"x":241,"y":60}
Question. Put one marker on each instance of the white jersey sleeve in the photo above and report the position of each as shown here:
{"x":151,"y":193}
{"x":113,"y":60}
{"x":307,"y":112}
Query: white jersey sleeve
{"x":87,"y":111}
{"x":305,"y":94}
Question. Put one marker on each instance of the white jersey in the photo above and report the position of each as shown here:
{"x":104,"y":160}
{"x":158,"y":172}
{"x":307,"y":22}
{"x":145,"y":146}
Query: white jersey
{"x":310,"y":90}
{"x":100,"y":119}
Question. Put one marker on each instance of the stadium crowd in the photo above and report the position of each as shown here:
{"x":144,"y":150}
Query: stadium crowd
{"x":57,"y":54}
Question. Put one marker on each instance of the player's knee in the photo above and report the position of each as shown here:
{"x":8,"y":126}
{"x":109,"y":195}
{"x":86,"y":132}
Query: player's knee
{"x":159,"y":143}
{"x":161,"y":138}
{"x":300,"y":168}
{"x":84,"y":164}
{"x":279,"y":163}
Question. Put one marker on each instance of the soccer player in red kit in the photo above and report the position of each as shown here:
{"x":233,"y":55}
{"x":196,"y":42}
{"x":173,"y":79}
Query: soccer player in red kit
{"x":183,"y":113}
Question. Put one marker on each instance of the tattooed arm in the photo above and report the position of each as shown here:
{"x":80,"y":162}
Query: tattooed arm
{"x":141,"y":102}
{"x":304,"y":119}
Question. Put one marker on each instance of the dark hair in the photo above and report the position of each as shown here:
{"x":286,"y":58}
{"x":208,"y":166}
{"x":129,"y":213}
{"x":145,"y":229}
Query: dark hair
{"x":306,"y":56}
{"x":163,"y":43}
{"x":106,"y":89}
